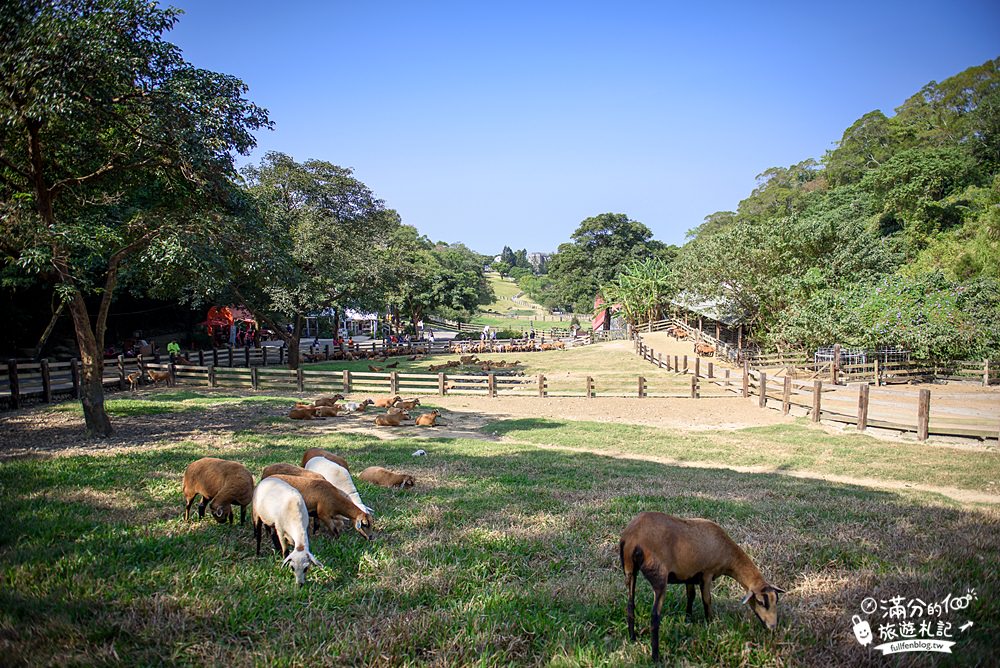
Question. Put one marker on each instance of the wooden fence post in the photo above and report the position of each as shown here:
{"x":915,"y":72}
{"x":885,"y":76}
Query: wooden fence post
{"x":835,"y":369}
{"x":541,"y":386}
{"x":697,"y":367}
{"x":215,"y":357}
{"x":172,"y":371}
{"x":246,"y":356}
{"x":441,"y":384}
{"x":786,"y":396}
{"x":685,"y":364}
{"x":491,"y":384}
{"x":877,"y":380}
{"x":923,"y":415}
{"x":986,"y":371}
{"x":394,"y":383}
{"x":212,"y":382}
{"x":711,"y":370}
{"x":347,"y":381}
{"x":46,"y":382}
{"x":300,"y":379}
{"x":263,"y":355}
{"x":694,"y":387}
{"x":659,"y":360}
{"x":590,"y":387}
{"x":746,"y":381}
{"x":121,"y":372}
{"x":254,"y":380}
{"x":677,"y":367}
{"x":817,"y":400}
{"x":281,"y":355}
{"x":642,"y":387}
{"x":230,"y":356}
{"x":762,"y":401}
{"x":863,"y":406}
{"x":15,"y":383}
{"x":201,"y":357}
{"x":726,"y":376}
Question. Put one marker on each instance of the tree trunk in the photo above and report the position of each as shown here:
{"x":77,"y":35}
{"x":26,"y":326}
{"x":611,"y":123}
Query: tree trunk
{"x":92,"y":367}
{"x":292,"y":342}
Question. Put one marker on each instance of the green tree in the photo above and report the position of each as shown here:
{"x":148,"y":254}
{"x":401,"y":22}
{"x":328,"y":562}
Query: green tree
{"x":109,"y":140}
{"x":598,"y":249}
{"x":642,"y":289}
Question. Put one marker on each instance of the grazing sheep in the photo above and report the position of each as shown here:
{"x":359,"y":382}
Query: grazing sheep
{"x":385,"y":402}
{"x":288,"y":469}
{"x":328,"y":401}
{"x":326,"y":454}
{"x":357,"y":407}
{"x":220,"y":483}
{"x":281,"y":508}
{"x":407,"y":404}
{"x":671,"y":550}
{"x":328,"y":504}
{"x":340,"y":477}
{"x":391,"y":419}
{"x":428,"y":419}
{"x":377,"y":475}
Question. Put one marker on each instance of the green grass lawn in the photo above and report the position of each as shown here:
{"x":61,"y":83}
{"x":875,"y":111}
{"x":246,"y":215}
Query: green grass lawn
{"x":503,"y":554}
{"x":610,"y":358}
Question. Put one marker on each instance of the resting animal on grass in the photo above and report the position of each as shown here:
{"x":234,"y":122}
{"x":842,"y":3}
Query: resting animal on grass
{"x":396,"y":410}
{"x":385,"y":402}
{"x":288,"y":469}
{"x":328,"y":505}
{"x":325,"y":454}
{"x":391,"y":419}
{"x":327,"y":411}
{"x":281,"y":508}
{"x":328,"y":401}
{"x":428,"y":419}
{"x":340,"y":477}
{"x":671,"y":550}
{"x":377,"y":475}
{"x":407,"y":404}
{"x":301,"y":412}
{"x":357,"y":407}
{"x":160,"y":376}
{"x":220,"y":483}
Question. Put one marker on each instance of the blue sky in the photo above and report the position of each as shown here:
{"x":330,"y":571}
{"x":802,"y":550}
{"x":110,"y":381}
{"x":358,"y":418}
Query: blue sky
{"x":508,"y":123}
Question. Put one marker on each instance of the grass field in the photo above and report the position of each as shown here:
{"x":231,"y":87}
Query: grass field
{"x":610,"y":358}
{"x":504,"y":554}
{"x":493,"y":314}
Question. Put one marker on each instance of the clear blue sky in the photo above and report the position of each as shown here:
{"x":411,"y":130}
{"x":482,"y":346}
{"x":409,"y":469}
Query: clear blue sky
{"x":508,"y":123}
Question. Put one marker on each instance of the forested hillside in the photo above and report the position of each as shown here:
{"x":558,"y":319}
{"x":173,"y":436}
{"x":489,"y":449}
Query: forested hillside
{"x":892,"y":239}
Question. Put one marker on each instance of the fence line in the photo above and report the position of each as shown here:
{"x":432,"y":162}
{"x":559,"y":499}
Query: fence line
{"x":922,"y":412}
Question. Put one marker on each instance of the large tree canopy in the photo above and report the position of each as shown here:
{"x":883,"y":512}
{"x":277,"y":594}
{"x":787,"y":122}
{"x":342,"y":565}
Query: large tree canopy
{"x":109,"y":140}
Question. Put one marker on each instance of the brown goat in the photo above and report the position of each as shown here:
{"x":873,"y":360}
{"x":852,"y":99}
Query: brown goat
{"x":391,"y":419}
{"x":428,"y":419}
{"x":385,"y":402}
{"x":157,"y":376}
{"x":134,"y":379}
{"x":328,"y":504}
{"x":377,"y":475}
{"x":407,"y":404}
{"x":325,"y":454}
{"x":301,"y":412}
{"x":671,"y":550}
{"x":327,"y":411}
{"x":288,"y":469}
{"x":328,"y":401}
{"x":220,"y":483}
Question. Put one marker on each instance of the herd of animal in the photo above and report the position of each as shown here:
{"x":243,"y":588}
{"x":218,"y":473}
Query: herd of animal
{"x":665,"y":549}
{"x":285,"y":499}
{"x":397,"y":410}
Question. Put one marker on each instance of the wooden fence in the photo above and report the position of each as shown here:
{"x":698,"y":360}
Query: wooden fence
{"x":922,"y":411}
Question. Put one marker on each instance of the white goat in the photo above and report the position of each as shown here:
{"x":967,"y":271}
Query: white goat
{"x":282,"y":509}
{"x":339,"y":477}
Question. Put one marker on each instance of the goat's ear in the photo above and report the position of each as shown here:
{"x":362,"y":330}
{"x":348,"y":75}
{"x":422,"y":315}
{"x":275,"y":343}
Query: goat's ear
{"x":777,"y":590}
{"x":746,"y":599}
{"x":288,"y":559}
{"x":314,"y":560}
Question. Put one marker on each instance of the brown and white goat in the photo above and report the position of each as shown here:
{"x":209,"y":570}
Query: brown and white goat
{"x":288,"y":469}
{"x":325,"y":454}
{"x":328,"y":504}
{"x":672,"y":550}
